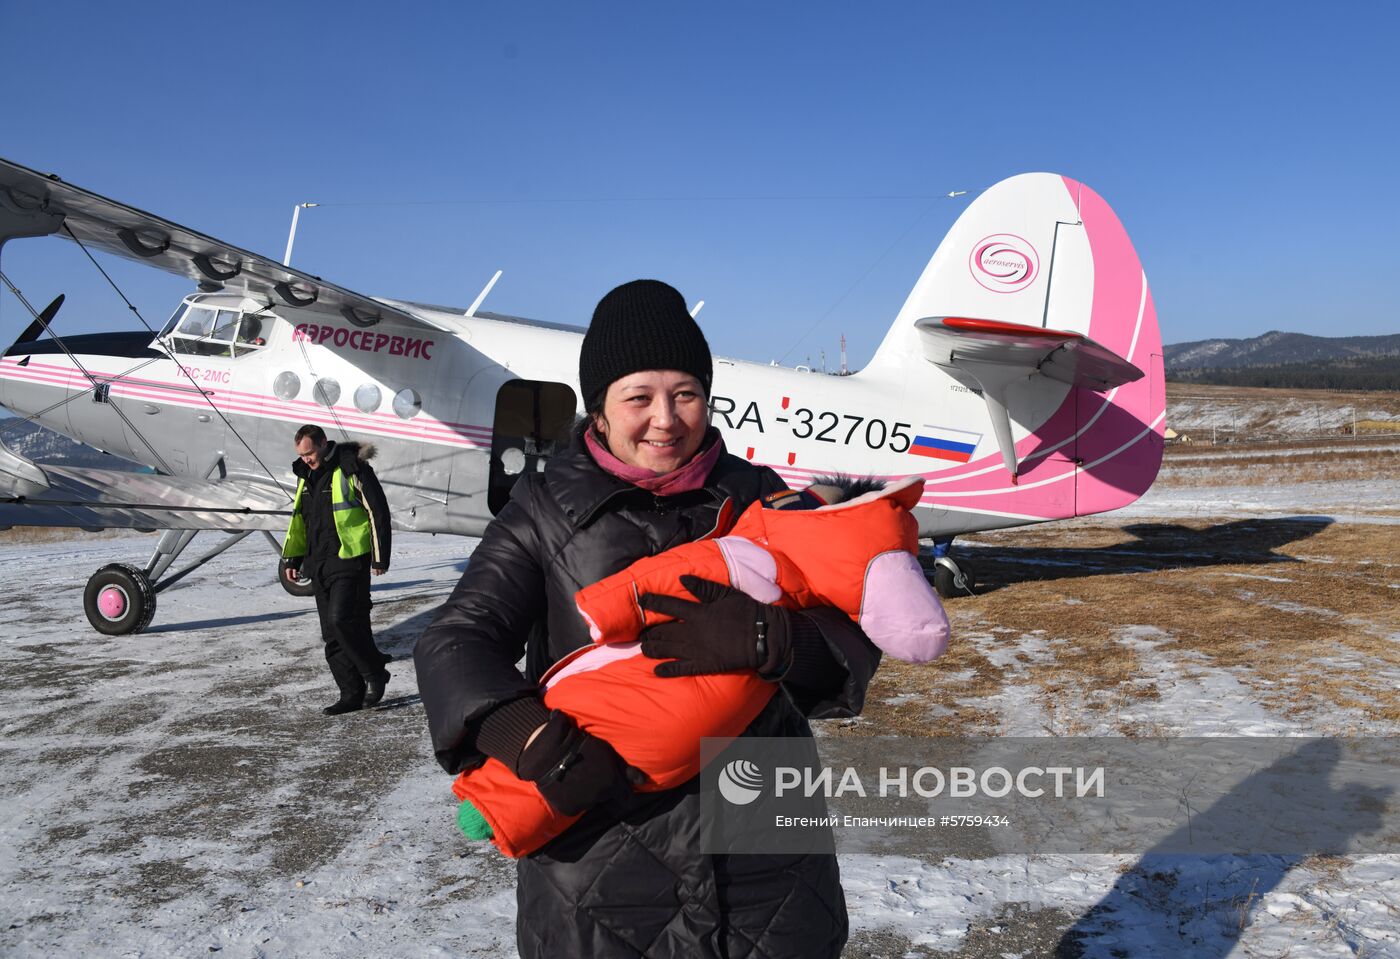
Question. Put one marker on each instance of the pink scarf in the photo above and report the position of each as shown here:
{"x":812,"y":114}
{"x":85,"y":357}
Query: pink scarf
{"x":689,"y":477}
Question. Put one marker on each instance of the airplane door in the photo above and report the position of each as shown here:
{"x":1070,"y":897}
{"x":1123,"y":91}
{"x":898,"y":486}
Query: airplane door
{"x":531,"y":423}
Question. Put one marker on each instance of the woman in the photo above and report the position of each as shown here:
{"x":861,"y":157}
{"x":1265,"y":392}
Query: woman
{"x":646,"y":473}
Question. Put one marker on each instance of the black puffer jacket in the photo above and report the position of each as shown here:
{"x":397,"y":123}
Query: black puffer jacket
{"x":322,"y":560}
{"x":625,"y":880}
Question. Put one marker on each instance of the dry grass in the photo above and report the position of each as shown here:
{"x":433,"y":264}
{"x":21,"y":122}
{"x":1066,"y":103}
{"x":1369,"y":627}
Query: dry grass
{"x":1317,"y":646}
{"x":1264,"y":470}
{"x":938,"y":699}
{"x":1201,"y":412}
{"x":1386,"y":402}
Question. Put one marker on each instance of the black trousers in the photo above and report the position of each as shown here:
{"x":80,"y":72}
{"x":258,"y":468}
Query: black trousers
{"x":342,"y":603}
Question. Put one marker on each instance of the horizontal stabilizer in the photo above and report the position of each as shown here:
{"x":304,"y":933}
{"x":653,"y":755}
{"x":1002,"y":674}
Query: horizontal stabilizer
{"x":989,"y":355}
{"x":1068,"y":357}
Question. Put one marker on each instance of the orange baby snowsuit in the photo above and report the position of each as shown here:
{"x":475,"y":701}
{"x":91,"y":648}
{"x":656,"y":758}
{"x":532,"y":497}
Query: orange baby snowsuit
{"x":859,"y":556}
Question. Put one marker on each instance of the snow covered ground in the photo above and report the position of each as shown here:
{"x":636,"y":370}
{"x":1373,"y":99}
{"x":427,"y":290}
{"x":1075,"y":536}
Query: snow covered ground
{"x":1374,"y":501}
{"x":180,"y":793}
{"x":1244,"y":412}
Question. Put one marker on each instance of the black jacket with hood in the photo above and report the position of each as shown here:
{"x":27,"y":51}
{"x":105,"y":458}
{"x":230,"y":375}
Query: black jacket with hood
{"x":322,"y":560}
{"x":625,"y":880}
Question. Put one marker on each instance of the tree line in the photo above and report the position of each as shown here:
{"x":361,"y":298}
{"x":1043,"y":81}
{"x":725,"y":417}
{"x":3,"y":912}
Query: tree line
{"x":1360,"y":373}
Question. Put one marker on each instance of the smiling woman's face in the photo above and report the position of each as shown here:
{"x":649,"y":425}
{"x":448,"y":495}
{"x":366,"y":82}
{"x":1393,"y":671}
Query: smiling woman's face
{"x":655,"y":419}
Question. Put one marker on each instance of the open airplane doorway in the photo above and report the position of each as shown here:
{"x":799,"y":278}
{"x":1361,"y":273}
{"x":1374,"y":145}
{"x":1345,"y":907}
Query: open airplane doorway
{"x":532,"y":423}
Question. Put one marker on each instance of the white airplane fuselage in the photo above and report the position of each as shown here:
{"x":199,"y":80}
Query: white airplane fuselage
{"x":1022,"y":379}
{"x":219,"y":415}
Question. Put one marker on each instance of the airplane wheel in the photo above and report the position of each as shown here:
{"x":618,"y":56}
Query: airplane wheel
{"x":945,"y":581}
{"x":302,"y":587}
{"x":119,"y":600}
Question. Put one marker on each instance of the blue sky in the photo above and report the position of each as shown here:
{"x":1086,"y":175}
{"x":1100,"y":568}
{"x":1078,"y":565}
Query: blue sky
{"x":785,"y":162}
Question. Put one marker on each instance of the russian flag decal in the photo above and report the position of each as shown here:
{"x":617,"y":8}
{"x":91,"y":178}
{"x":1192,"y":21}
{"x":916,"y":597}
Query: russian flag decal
{"x":942,"y":443}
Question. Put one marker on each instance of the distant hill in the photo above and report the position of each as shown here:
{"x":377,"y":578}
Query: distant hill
{"x":1275,"y":348}
{"x":1289,"y":360}
{"x":41,"y":445}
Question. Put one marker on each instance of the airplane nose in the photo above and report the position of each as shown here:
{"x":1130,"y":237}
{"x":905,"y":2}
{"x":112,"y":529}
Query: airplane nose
{"x":9,"y":395}
{"x":20,"y":394}
{"x":16,"y":358}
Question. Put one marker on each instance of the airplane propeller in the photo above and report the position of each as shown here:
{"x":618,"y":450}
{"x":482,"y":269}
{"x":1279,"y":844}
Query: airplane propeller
{"x":41,"y":323}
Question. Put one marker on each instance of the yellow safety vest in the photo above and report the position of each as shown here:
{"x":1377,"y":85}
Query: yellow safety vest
{"x":352,"y":521}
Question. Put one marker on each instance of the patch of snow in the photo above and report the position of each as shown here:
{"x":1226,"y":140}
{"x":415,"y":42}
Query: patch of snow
{"x":180,"y":793}
{"x":1352,"y":502}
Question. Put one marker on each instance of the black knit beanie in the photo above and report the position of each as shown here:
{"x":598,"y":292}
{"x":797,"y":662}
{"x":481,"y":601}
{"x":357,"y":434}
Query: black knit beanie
{"x":642,"y":325}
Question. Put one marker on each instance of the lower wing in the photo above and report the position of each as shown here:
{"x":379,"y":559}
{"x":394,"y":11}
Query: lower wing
{"x":36,"y":495}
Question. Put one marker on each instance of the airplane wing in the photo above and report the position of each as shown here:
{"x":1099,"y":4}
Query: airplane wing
{"x":35,"y":204}
{"x":36,"y":495}
{"x":990,"y":355}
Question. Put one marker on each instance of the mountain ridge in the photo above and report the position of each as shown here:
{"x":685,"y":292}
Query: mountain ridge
{"x":1276,"y":348}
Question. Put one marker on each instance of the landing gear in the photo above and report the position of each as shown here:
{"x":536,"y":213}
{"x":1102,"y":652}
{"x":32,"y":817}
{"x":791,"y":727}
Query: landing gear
{"x":119,"y":599}
{"x":950,"y":578}
{"x":302,"y":587}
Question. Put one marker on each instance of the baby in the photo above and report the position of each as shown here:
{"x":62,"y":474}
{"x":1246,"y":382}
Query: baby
{"x":796,"y":550}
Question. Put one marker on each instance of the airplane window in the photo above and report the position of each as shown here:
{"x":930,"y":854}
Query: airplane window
{"x":326,"y":391}
{"x":225,"y":325}
{"x":174,"y":319}
{"x":250,"y":335}
{"x":287,"y":385}
{"x":194,"y":333}
{"x":198,"y":322}
{"x":513,"y":461}
{"x":407,"y":403}
{"x":367,"y":398}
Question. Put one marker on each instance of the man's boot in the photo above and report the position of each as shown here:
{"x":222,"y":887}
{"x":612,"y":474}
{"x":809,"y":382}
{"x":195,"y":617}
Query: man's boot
{"x":374,"y":689}
{"x":348,"y":704}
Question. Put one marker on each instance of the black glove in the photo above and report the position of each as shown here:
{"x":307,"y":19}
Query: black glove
{"x":725,"y":631}
{"x":573,"y":770}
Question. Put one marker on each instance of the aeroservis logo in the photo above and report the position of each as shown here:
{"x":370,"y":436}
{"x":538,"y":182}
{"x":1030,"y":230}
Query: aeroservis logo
{"x":1004,"y":263}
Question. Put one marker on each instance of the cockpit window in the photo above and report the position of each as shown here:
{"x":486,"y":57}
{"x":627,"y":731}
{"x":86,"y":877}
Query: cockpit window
{"x":200,"y":331}
{"x":250,"y":332}
{"x":225,"y":325}
{"x":169,"y":326}
{"x":197,"y":322}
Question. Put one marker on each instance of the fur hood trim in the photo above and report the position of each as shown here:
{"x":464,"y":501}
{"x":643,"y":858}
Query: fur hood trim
{"x":347,"y":455}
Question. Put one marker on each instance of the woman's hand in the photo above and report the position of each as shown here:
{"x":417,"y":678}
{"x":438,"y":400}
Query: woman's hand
{"x":574,"y":771}
{"x":725,"y":631}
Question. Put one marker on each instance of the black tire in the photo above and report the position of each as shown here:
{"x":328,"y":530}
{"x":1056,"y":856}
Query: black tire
{"x":119,"y":600}
{"x":302,"y":587}
{"x":947,"y":588}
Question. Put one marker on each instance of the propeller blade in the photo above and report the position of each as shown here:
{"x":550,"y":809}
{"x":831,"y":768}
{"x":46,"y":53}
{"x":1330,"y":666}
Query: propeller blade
{"x":41,"y":323}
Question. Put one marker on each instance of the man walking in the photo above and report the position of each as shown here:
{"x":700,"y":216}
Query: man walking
{"x":339,"y":534}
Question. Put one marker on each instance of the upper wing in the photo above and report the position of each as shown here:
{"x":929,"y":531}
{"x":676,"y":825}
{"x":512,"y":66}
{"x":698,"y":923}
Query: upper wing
{"x":33,"y":495}
{"x":36,"y":204}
